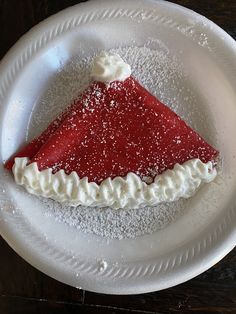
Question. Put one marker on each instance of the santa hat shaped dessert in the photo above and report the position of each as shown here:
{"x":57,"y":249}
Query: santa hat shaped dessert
{"x":116,"y":145}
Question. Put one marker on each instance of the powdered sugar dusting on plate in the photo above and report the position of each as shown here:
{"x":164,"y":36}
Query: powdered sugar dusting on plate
{"x":116,"y":224}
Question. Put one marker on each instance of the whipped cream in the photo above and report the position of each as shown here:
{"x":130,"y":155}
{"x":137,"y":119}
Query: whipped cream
{"x":110,"y":67}
{"x":127,"y":192}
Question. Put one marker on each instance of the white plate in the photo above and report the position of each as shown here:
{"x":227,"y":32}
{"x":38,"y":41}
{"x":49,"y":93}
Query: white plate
{"x":196,"y":240}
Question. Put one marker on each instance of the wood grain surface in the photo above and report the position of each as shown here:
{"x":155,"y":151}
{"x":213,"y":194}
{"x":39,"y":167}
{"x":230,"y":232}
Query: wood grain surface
{"x":23,"y":289}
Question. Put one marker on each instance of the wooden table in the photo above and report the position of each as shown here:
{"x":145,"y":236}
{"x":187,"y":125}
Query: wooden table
{"x":23,"y":289}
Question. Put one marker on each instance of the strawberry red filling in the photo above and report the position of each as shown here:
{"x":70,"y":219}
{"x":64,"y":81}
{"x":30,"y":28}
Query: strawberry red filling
{"x":112,"y":130}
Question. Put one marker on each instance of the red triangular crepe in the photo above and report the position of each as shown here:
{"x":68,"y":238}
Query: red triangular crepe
{"x":113,"y":130}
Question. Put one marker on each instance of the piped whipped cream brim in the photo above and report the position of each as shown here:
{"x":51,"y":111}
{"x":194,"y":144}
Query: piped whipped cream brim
{"x":127,"y":192}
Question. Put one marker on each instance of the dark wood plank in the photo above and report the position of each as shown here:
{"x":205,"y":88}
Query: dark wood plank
{"x":18,"y":278}
{"x":18,"y":16}
{"x":212,"y":292}
{"x":16,"y":305}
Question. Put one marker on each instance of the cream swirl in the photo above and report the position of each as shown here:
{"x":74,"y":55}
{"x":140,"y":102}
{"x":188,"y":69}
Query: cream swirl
{"x":127,"y":192}
{"x":108,"y":68}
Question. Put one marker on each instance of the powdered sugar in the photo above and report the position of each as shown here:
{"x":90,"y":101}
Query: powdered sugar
{"x":163,"y":75}
{"x":117,"y":224}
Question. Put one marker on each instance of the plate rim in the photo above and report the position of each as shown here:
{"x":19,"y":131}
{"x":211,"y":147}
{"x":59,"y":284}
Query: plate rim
{"x":212,"y":244}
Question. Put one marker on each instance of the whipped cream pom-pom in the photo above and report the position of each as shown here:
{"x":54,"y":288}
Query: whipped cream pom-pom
{"x":110,"y":67}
